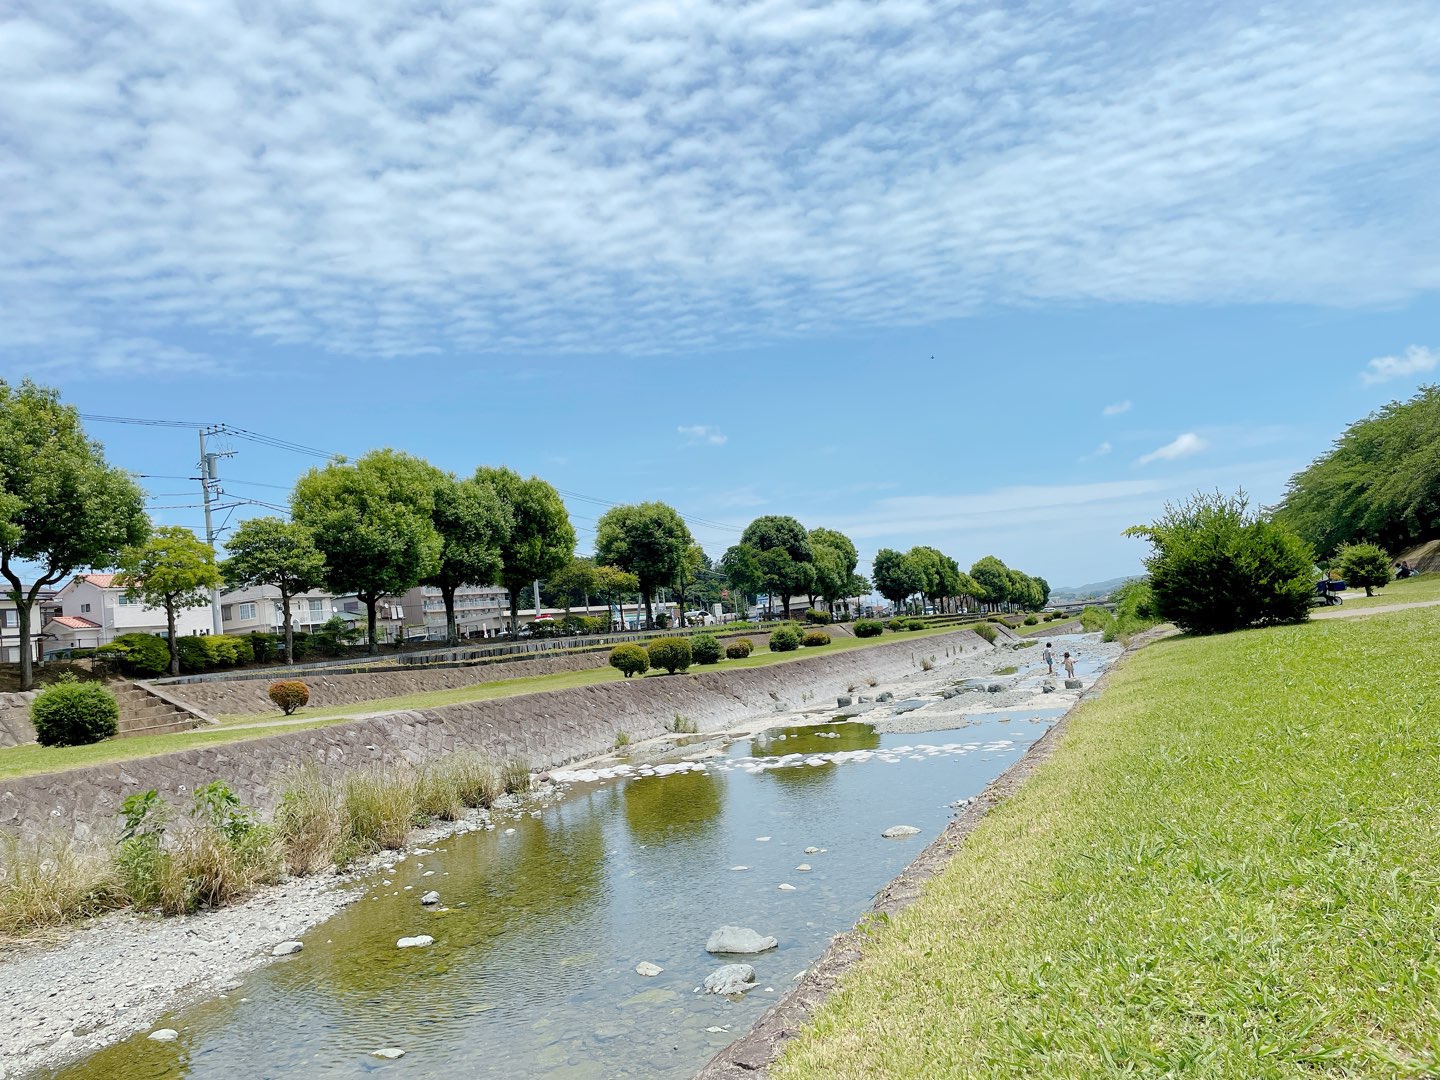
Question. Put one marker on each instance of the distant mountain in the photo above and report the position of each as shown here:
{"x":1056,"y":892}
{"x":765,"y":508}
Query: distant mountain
{"x":1096,"y":591}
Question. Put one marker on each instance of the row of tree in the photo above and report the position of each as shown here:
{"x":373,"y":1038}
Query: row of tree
{"x":929,"y":573}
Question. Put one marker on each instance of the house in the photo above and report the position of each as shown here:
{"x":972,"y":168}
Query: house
{"x":41,"y":612}
{"x":257,"y":609}
{"x":95,"y":611}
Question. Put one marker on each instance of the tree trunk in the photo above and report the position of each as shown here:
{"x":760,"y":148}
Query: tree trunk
{"x":649,"y":610}
{"x":285,"y":599}
{"x":374,"y":645}
{"x":27,"y":661}
{"x":1369,"y":590}
{"x":785,"y":606}
{"x":452,"y":636}
{"x":174,"y":645}
{"x":620,"y":607}
{"x":514,"y":610}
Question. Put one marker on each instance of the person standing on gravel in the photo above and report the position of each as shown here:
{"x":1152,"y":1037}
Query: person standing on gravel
{"x":1049,"y":657}
{"x":1069,"y":666}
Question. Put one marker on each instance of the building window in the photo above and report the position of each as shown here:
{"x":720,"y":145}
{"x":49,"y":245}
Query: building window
{"x":10,"y":618}
{"x":247,"y":612}
{"x":84,"y":608}
{"x":317,"y":610}
{"x":121,"y":601}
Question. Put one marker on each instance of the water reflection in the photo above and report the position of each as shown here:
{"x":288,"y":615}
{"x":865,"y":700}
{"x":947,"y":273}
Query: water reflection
{"x":683,"y":806}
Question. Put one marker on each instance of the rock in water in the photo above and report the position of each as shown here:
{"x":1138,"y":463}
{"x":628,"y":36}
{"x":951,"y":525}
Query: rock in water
{"x":286,"y":948}
{"x":730,"y":979}
{"x":419,"y":941}
{"x":648,"y":969}
{"x":389,"y":1053}
{"x":884,"y":696}
{"x":812,"y":851}
{"x":170,"y":1034}
{"x":1047,"y":687}
{"x":843,"y":701}
{"x":430,"y":898}
{"x":1074,"y":684}
{"x":895,"y":832}
{"x":787,"y":887}
{"x":738,"y":939}
{"x":994,"y":688}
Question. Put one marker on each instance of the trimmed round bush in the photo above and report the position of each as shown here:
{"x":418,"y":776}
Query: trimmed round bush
{"x":739,"y":648}
{"x":671,"y":653}
{"x":705,"y":649}
{"x":1031,"y":620}
{"x":898,"y":624}
{"x":814,"y":638}
{"x":816,"y":618}
{"x":915,"y":624}
{"x":72,"y":713}
{"x":868,"y":628}
{"x":784,"y":639}
{"x":137,"y":654}
{"x":630,"y":659}
{"x":289,"y":695}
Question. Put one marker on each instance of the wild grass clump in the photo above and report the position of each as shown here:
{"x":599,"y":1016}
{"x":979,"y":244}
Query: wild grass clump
{"x":622,"y":739}
{"x":377,"y":809}
{"x":515,"y":774}
{"x":307,"y":822}
{"x":682,"y":725}
{"x":986,"y":631}
{"x":44,"y":885}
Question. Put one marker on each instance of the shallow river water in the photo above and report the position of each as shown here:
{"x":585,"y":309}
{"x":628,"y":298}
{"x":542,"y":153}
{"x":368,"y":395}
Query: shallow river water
{"x":532,"y":969}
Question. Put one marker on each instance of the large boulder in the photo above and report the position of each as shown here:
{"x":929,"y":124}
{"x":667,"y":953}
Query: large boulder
{"x":730,"y":979}
{"x":895,"y":832}
{"x":738,"y":939}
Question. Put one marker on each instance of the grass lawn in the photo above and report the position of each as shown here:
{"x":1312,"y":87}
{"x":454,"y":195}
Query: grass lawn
{"x":1409,"y":591}
{"x":1230,"y":868}
{"x":28,"y":760}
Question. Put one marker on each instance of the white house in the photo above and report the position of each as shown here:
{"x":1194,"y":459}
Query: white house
{"x":95,"y":611}
{"x":258,"y":609}
{"x":43,"y":607}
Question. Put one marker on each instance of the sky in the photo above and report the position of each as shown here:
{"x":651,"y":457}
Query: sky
{"x":998,"y":278}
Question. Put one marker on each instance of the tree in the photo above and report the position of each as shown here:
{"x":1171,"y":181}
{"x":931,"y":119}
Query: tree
{"x":1365,"y":565}
{"x":835,"y":559}
{"x":741,"y":566}
{"x":933,"y":568}
{"x":691,"y":564}
{"x":1216,"y":567}
{"x":574,"y":583}
{"x":614,"y":583}
{"x":279,"y":553}
{"x":895,"y":577}
{"x":781,"y":542}
{"x":373,"y":520}
{"x":63,"y":508}
{"x":541,"y":539}
{"x":648,"y":539}
{"x":472,"y":524}
{"x":172,"y":570}
{"x":993,"y":577}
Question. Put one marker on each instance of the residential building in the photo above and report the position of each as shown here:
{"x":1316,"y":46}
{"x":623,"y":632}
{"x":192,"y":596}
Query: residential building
{"x":41,"y":612}
{"x":258,"y":609}
{"x":480,"y":611}
{"x":95,"y":611}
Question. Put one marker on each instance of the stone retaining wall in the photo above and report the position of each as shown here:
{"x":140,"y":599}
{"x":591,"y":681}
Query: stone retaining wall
{"x":233,"y":696}
{"x":15,"y":726}
{"x":546,"y":729}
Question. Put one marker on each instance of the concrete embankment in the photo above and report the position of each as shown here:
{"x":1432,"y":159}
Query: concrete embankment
{"x":545,"y":729}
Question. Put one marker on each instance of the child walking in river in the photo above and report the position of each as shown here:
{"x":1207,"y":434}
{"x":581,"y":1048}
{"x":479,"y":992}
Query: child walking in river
{"x":1069,"y":662}
{"x":1049,"y":657}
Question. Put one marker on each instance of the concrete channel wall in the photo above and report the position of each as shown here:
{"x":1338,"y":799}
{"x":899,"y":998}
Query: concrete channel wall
{"x":545,"y":729}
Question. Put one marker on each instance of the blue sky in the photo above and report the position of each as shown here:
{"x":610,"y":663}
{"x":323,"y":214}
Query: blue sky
{"x":998,"y":278}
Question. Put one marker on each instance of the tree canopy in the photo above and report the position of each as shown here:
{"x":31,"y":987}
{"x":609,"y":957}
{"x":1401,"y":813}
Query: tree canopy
{"x":473,"y":525}
{"x":896,"y":577}
{"x":171,"y":570}
{"x":782,"y":546}
{"x":541,"y":538}
{"x":650,"y":540}
{"x":63,"y":507}
{"x":279,"y":553}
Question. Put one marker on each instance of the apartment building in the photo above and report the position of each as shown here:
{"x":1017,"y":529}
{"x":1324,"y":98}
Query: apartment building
{"x":94,"y":611}
{"x":257,"y":609}
{"x":480,"y":611}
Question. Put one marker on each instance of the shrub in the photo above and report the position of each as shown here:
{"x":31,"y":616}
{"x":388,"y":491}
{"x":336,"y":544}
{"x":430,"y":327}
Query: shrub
{"x":662,"y":621}
{"x":289,"y":695}
{"x":705,"y":649}
{"x":1363,"y":565}
{"x":1215,"y":567}
{"x":671,"y":653}
{"x":784,"y":638}
{"x":815,"y":638}
{"x":741,"y":624}
{"x":72,"y":713}
{"x":682,"y":725}
{"x":986,"y":631}
{"x":739,"y":648}
{"x":622,"y":739}
{"x":1094,"y":619}
{"x":138,"y":655}
{"x":898,"y":624}
{"x":630,"y":659}
{"x":816,"y":618}
{"x":1031,"y":620}
{"x":196,"y":654}
{"x":915,"y":624}
{"x":265,"y":647}
{"x":869,"y":628}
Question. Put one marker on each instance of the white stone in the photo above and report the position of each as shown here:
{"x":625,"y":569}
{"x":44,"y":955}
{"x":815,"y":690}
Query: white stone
{"x":786,"y":887}
{"x":430,"y":898}
{"x":419,"y":941}
{"x":286,"y":948}
{"x":739,"y":868}
{"x":730,"y":979}
{"x":897,"y":831}
{"x":648,"y":969}
{"x":164,"y":1035}
{"x":389,"y":1053}
{"x":812,"y":851}
{"x":804,"y":866}
{"x":738,"y":939}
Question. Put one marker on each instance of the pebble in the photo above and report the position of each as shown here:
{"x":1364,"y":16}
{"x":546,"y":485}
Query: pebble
{"x":739,"y":868}
{"x":419,"y":941}
{"x":786,"y":887}
{"x":430,"y":898}
{"x":803,"y":866}
{"x":648,"y":969}
{"x":164,"y":1035}
{"x":812,"y":851}
{"x":389,"y":1053}
{"x":287,"y":948}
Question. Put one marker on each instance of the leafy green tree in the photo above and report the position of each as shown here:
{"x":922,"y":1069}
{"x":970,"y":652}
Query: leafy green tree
{"x":781,"y":543}
{"x":472,"y":524}
{"x":373,"y":520}
{"x":1215,"y":566}
{"x":63,"y":508}
{"x":741,"y":566}
{"x":615,"y":584}
{"x":574,"y":583}
{"x":279,"y":553}
{"x":172,"y":570}
{"x":1381,"y":481}
{"x":835,"y":560}
{"x":968,"y":589}
{"x":691,"y":565}
{"x":938,"y":573}
{"x":648,"y":539}
{"x":541,"y":539}
{"x":895,"y":576}
{"x":1365,"y":565}
{"x":993,"y":577}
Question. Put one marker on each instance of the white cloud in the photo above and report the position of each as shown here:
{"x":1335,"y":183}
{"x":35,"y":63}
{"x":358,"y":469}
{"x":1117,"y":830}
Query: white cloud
{"x":1116,"y":409}
{"x":1099,"y":452}
{"x":414,"y":179}
{"x":1417,"y":360}
{"x":1182,"y":447}
{"x":702,"y":434}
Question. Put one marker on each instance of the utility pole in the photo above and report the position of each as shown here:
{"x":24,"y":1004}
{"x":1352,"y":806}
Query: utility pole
{"x":210,"y":489}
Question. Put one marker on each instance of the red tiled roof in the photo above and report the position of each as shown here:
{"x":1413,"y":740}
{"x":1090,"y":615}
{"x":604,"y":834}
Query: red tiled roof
{"x":75,"y":622}
{"x":102,"y":580}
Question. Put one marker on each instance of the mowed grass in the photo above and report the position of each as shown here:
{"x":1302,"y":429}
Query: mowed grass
{"x":30,"y":760}
{"x":1230,"y":868}
{"x":1410,"y":591}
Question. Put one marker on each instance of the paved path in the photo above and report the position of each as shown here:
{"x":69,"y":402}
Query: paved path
{"x":1379,"y":609}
